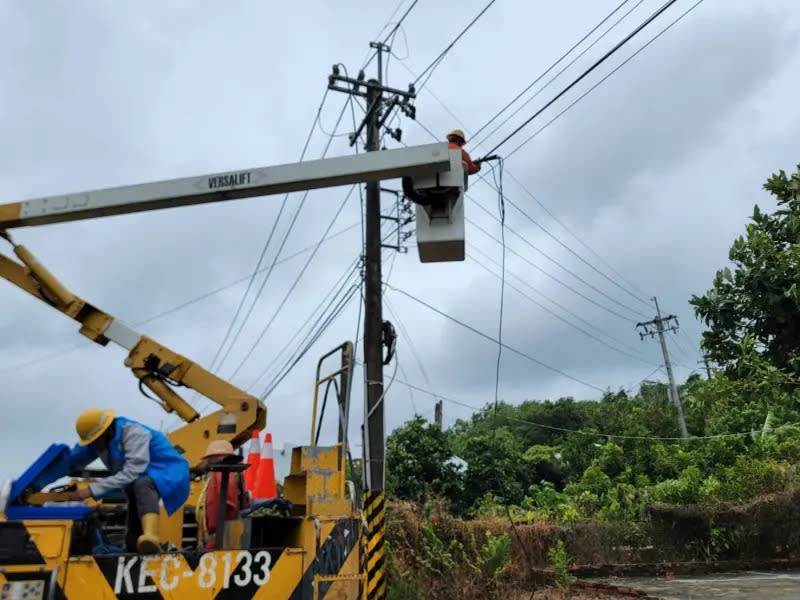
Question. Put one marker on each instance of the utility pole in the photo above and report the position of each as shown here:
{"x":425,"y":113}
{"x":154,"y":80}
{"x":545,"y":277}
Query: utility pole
{"x":708,"y":368}
{"x":438,"y":413}
{"x":659,"y":322}
{"x":378,"y":112}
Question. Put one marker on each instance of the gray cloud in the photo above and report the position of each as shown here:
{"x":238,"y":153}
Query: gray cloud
{"x":657,"y":171}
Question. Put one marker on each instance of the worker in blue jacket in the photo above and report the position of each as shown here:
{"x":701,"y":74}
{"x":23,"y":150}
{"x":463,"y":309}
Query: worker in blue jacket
{"x":144,"y":464}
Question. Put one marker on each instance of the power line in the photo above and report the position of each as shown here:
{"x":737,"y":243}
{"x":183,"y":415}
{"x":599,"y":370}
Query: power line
{"x":269,"y":239}
{"x":293,"y":286}
{"x":280,"y":249}
{"x":371,"y":55}
{"x":568,"y":230}
{"x":550,"y":68}
{"x":600,"y":61}
{"x":558,"y":264}
{"x":588,"y":433}
{"x":312,"y":337}
{"x":491,"y":339}
{"x":525,"y":189}
{"x":313,"y":340}
{"x":587,"y":92}
{"x":431,"y":67}
{"x":560,"y":305}
{"x":548,"y":257}
{"x":341,"y":283}
{"x":563,"y":69}
{"x":183,"y":305}
{"x":560,"y":318}
{"x":571,"y":251}
{"x":545,"y":273}
{"x":399,"y":23}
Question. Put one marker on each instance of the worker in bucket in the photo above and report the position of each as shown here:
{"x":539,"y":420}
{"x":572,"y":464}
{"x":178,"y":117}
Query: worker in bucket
{"x":457,"y":142}
{"x":144,"y":464}
{"x":237,"y":499}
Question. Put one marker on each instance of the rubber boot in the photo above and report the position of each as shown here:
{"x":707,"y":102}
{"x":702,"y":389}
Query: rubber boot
{"x":148,"y":541}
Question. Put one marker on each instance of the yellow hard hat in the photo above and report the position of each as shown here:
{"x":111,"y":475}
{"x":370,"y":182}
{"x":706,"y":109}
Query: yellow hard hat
{"x":92,"y":423}
{"x":457,"y":132}
{"x":219,"y":448}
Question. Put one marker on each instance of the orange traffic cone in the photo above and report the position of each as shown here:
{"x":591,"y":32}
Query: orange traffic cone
{"x":265,"y":479}
{"x":253,"y":458}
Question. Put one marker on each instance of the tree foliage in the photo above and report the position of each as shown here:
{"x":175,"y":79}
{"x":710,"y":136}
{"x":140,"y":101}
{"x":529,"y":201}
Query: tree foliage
{"x":569,"y":459}
{"x":759,"y":298}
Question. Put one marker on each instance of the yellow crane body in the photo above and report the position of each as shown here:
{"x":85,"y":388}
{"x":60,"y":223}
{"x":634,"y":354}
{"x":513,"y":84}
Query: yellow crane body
{"x":315,"y":553}
{"x":322,"y":544}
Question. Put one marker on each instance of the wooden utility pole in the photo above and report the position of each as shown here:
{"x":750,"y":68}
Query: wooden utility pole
{"x":659,"y":322}
{"x":438,"y":414}
{"x":374,"y":121}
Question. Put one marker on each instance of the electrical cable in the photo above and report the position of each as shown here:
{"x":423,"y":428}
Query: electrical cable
{"x":588,"y":433}
{"x":399,"y":24}
{"x":269,"y":239}
{"x":330,"y":298}
{"x":569,"y":249}
{"x":294,"y":284}
{"x":372,"y":55}
{"x":323,"y":327}
{"x":311,"y":340}
{"x":501,"y":478}
{"x":553,"y":277}
{"x":580,"y":78}
{"x":558,"y":264}
{"x":280,"y":249}
{"x":476,"y":133}
{"x":569,"y":231}
{"x":354,"y":267}
{"x":548,"y":257}
{"x":431,"y":67}
{"x":502,"y":212}
{"x":558,"y":304}
{"x":587,"y":92}
{"x":530,"y":194}
{"x":493,"y":340}
{"x":564,"y":69}
{"x":178,"y":307}
{"x":562,"y":319}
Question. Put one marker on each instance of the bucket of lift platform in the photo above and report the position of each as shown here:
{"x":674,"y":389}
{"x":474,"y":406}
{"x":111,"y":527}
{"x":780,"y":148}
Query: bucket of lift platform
{"x":440,"y":220}
{"x":440,"y":231}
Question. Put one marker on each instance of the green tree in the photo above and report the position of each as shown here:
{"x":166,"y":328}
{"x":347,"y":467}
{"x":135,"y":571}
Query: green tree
{"x":759,"y":296}
{"x":418,"y":461}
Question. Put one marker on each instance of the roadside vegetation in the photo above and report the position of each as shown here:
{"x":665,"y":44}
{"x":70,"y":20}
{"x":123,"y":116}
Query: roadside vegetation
{"x":601,"y":481}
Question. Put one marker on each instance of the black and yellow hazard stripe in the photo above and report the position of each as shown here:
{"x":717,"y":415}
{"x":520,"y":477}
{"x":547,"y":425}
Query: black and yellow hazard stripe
{"x":29,"y":568}
{"x":375,"y":515}
{"x":30,"y":552}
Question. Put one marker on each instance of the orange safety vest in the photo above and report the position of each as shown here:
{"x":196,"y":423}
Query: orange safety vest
{"x":233,"y":504}
{"x":472,"y":168}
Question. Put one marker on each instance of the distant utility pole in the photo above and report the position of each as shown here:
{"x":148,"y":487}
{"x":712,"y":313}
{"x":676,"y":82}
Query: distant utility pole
{"x":659,"y":323}
{"x":378,"y":111}
{"x":438,"y":413}
{"x":708,"y":368}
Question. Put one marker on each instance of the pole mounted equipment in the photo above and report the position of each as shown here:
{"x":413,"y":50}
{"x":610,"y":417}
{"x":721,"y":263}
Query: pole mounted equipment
{"x":656,"y":327}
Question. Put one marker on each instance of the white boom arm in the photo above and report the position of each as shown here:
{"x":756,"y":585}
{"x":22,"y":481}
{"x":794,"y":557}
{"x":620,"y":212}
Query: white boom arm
{"x":430,"y":168}
{"x":415,"y":161}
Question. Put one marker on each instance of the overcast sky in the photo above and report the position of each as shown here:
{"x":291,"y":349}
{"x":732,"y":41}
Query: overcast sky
{"x":650,"y":178}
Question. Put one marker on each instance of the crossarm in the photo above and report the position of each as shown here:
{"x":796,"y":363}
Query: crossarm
{"x":157,"y":368}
